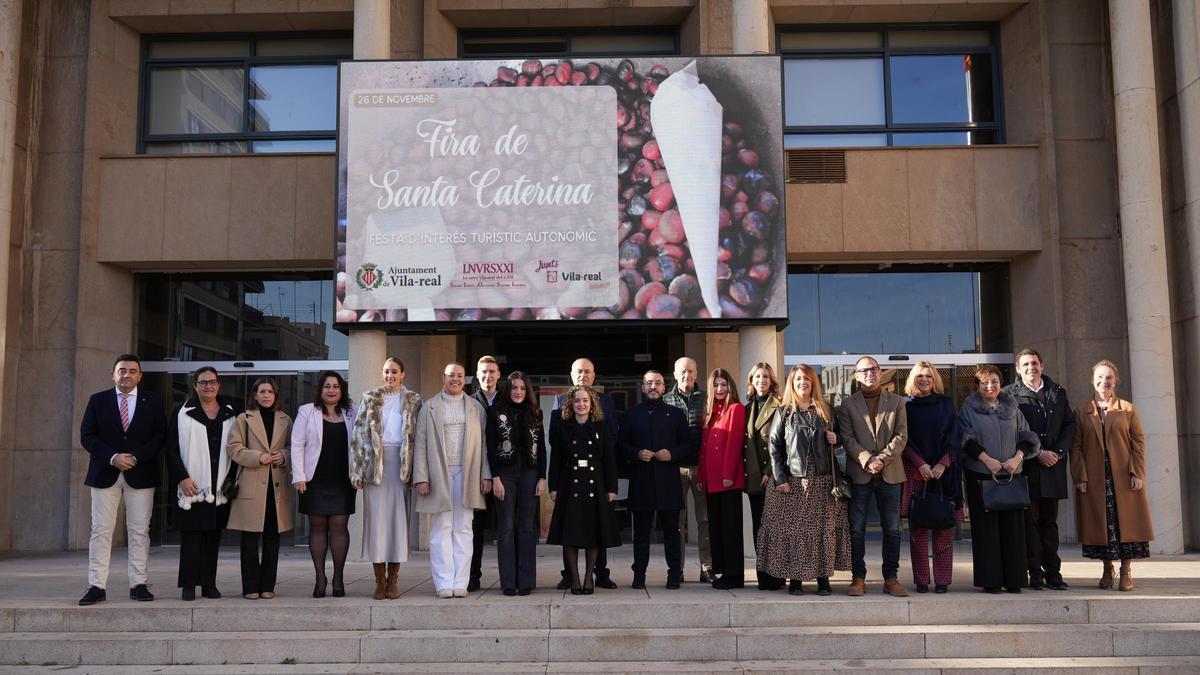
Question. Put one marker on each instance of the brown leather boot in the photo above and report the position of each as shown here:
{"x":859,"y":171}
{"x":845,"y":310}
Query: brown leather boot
{"x":894,"y":588}
{"x":380,"y":579}
{"x":858,"y":586}
{"x":1126,"y":576}
{"x":393,"y":578}
{"x":1106,"y":580}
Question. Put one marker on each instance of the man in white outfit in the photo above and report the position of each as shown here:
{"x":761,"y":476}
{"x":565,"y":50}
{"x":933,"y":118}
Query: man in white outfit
{"x":451,"y":477}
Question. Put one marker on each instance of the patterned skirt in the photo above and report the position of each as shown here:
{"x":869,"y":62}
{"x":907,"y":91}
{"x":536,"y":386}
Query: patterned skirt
{"x":1115,"y":549}
{"x":805,"y":534}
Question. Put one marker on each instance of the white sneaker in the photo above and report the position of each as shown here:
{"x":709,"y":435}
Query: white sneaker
{"x":460,"y":592}
{"x":445,"y":593}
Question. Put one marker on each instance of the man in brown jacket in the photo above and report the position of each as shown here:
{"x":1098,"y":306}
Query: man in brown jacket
{"x":873,"y":425}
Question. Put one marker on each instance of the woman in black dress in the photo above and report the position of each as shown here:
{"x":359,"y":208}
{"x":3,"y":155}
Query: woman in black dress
{"x":197,"y":434}
{"x":321,"y":471}
{"x":583,"y":485}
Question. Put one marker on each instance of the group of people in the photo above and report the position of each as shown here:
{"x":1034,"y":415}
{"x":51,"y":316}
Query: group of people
{"x":809,"y":471}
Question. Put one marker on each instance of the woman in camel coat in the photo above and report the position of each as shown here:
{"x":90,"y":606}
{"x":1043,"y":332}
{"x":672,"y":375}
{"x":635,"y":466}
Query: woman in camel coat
{"x":1108,"y":467}
{"x":258,"y":443}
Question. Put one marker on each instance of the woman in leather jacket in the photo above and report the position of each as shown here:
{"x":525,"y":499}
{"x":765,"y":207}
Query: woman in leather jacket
{"x":805,"y":532}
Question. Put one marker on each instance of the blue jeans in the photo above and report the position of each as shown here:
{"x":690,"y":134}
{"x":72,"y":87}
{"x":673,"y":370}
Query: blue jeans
{"x":887,"y":498}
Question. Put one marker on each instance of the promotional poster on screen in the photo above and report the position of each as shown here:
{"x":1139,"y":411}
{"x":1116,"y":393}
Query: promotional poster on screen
{"x":646,"y":189}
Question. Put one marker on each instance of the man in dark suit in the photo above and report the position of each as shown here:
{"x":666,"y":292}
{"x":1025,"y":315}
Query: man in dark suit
{"x":655,"y":440}
{"x":583,"y":372}
{"x":1044,"y":404}
{"x":487,"y":392}
{"x":123,"y":430}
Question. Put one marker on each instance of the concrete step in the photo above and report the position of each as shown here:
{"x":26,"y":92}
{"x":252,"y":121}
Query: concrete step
{"x":1148,"y":665}
{"x":696,"y":610}
{"x":516,"y":645}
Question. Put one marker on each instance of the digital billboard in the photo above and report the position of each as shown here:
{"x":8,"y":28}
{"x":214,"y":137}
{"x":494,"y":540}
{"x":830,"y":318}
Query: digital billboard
{"x":644,"y":189}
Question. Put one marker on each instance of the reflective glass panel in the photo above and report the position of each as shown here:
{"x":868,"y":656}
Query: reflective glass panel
{"x":864,"y":310}
{"x":939,"y":38}
{"x":834,"y":140}
{"x":305,"y":47}
{"x":221,"y":318}
{"x":825,"y":92}
{"x":317,"y":145}
{"x":293,"y":98}
{"x":615,"y":43}
{"x":822,"y":40}
{"x":196,"y":100}
{"x":202,"y":49}
{"x":950,"y":88}
{"x":196,"y":148}
{"x":917,"y":138}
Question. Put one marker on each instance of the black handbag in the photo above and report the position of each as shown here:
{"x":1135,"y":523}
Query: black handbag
{"x":1009,"y":495}
{"x":931,"y":510}
{"x":841,"y":486}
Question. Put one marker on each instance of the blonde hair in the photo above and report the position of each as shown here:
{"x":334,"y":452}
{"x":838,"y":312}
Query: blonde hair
{"x":762,"y":365}
{"x":985,"y":370}
{"x":791,"y":399}
{"x":1105,"y":363}
{"x":568,"y":408}
{"x":910,"y":385}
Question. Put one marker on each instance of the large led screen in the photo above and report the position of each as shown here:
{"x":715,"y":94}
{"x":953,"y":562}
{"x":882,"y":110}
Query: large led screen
{"x":528,"y":190}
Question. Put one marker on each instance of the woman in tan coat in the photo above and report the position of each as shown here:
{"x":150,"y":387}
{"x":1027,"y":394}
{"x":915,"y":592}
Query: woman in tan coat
{"x":1108,"y":467}
{"x":263,"y":507}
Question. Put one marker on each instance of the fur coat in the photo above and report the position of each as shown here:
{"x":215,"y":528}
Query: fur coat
{"x":366,"y":441}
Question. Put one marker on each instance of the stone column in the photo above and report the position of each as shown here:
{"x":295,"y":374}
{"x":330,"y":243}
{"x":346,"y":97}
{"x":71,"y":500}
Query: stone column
{"x":751,"y":27}
{"x":372,"y":29}
{"x":1143,"y":244}
{"x":10,"y":41}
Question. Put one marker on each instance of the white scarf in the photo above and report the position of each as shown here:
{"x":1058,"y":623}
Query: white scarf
{"x":193,"y":449}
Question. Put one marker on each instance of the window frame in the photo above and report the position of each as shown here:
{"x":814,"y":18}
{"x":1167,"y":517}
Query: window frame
{"x":886,"y":52}
{"x":247,"y":62}
{"x":568,"y":33}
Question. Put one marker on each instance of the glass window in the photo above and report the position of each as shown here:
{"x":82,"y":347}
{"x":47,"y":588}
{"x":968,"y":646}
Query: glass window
{"x":833,"y":92}
{"x":293,"y":98}
{"x":235,"y":96}
{"x":323,"y":145}
{"x":834,"y":140}
{"x":563,"y":42}
{"x":950,"y":88}
{"x":922,"y":309}
{"x":281,"y":317}
{"x":886,"y":83}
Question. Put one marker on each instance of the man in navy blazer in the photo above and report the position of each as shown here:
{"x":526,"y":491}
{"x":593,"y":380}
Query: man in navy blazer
{"x":123,"y":429}
{"x":655,"y":441}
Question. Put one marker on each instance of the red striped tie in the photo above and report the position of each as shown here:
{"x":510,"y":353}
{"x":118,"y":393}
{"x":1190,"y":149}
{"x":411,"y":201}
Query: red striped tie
{"x":125,"y":412}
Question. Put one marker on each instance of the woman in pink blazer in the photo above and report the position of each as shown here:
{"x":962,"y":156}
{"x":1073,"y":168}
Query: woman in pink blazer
{"x":723,"y":477}
{"x":321,"y":474}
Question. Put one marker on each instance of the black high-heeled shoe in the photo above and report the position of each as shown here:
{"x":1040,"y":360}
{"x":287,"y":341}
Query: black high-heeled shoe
{"x":576,"y":590}
{"x":339,"y":588}
{"x":319,"y":588}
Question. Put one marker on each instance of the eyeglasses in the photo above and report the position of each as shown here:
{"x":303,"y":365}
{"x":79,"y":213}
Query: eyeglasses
{"x":207,"y":383}
{"x":864,"y":371}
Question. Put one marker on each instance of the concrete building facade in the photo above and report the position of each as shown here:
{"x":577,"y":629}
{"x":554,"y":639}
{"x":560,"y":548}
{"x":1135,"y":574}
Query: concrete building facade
{"x":1085,"y":193}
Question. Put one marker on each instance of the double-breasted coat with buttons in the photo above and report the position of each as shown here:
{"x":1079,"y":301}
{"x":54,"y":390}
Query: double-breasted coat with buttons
{"x":247,"y":443}
{"x":583,"y":470}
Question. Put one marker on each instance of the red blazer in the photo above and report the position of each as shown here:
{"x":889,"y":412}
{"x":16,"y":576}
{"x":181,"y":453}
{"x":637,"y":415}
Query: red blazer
{"x":721,"y":449}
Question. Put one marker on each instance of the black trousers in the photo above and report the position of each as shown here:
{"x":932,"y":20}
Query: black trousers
{"x":725,"y":534}
{"x":198,"y":558}
{"x":1041,"y":540}
{"x":516,"y":525}
{"x":480,"y":522}
{"x":756,"y":510}
{"x":668,"y":522}
{"x":997,"y":540}
{"x":258,"y":574}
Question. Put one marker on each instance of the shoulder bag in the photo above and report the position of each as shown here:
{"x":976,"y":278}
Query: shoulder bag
{"x":1009,"y":495}
{"x":931,"y":510}
{"x":232,"y":477}
{"x":841,"y":486}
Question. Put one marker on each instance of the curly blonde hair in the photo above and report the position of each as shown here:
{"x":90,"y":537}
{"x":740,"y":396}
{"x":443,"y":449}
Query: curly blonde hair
{"x":568,"y":412}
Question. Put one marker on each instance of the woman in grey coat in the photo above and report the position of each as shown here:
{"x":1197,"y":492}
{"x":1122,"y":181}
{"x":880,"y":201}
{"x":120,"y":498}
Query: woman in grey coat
{"x":996,"y":441}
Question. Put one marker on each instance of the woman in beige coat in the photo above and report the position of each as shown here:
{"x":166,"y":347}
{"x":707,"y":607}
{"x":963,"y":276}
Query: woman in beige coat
{"x":263,"y":507}
{"x":1108,"y":467}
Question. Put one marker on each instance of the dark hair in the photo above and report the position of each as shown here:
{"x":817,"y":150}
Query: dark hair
{"x":1027,"y":352}
{"x":343,"y":403}
{"x":252,"y":398}
{"x":731,"y":397}
{"x":201,"y":370}
{"x":127,"y":357}
{"x":656,"y":372}
{"x":530,"y":404}
{"x":395,"y":360}
{"x":568,"y":408}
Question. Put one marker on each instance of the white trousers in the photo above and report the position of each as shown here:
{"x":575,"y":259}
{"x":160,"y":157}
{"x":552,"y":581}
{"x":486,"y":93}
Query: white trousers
{"x":139,"y":504}
{"x":450,"y":546}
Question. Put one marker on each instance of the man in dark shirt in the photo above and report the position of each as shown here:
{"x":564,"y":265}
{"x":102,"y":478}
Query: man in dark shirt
{"x":654,"y":440}
{"x":487,"y":380}
{"x":1044,"y":404}
{"x":689,"y":398}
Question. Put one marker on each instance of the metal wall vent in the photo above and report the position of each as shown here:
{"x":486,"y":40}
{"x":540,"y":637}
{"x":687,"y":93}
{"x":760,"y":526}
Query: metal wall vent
{"x":816,"y":166}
